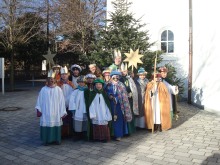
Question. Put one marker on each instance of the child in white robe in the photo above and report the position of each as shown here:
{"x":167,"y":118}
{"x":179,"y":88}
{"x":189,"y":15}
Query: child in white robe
{"x":51,"y":109}
{"x":78,"y":108}
{"x":99,"y":112}
{"x":67,"y":88}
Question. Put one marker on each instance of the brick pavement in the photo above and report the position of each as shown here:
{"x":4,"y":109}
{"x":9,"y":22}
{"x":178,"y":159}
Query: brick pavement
{"x":194,"y":139}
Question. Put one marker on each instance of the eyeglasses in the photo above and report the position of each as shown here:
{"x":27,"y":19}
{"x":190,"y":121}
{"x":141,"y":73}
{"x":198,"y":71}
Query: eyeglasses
{"x":115,"y":78}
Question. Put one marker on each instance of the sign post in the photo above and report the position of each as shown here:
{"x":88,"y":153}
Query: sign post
{"x":2,"y":74}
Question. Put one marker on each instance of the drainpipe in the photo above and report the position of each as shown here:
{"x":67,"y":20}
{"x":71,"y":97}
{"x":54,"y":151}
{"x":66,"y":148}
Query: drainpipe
{"x":190,"y":53}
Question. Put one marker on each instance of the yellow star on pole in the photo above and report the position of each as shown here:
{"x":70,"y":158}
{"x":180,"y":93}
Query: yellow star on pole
{"x":133,"y":58}
{"x":49,"y":58}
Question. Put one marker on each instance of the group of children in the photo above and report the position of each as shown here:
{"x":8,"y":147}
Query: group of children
{"x":102,"y":105}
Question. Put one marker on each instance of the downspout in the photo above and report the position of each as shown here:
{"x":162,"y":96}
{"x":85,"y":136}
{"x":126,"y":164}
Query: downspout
{"x":190,"y":53}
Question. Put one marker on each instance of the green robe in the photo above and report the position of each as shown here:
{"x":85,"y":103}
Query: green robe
{"x":50,"y":134}
{"x":89,"y":97}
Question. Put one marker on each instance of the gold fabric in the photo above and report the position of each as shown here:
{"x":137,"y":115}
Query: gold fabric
{"x":164,"y":100}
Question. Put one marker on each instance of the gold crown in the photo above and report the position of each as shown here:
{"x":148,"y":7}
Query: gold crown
{"x":51,"y":73}
{"x":117,"y":53}
{"x":63,"y":70}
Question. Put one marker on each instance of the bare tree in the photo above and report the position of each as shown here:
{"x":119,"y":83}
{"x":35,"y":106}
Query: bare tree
{"x":14,"y":27}
{"x":78,"y":20}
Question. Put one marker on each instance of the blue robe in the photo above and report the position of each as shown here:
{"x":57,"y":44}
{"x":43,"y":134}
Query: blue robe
{"x":120,"y":125}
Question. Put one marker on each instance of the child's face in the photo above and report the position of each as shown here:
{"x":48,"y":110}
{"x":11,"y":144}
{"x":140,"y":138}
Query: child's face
{"x":107,"y":76}
{"x":98,"y":86}
{"x":142,"y":76}
{"x":163,"y":74}
{"x":117,"y":60}
{"x":75,"y":72}
{"x":92,"y":69}
{"x":124,"y":72}
{"x":56,"y":70}
{"x":64,"y":76}
{"x":90,"y":80}
{"x":82,"y":84}
{"x":115,"y":78}
{"x":50,"y":81}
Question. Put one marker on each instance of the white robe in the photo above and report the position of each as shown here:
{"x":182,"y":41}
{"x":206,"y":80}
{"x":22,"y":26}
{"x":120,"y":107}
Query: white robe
{"x":171,"y":90}
{"x":51,"y":104}
{"x":99,"y":111}
{"x":74,"y":81}
{"x":155,"y":102}
{"x":67,"y":90}
{"x":77,"y":104}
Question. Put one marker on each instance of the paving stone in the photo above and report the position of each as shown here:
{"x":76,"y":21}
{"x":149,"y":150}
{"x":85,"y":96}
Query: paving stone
{"x":10,"y":157}
{"x":140,"y":162}
{"x":196,"y":152}
{"x":194,"y":139}
{"x":182,"y":154}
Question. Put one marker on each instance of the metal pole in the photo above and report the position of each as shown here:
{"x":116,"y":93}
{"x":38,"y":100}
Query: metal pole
{"x":190,"y":53}
{"x":48,"y":30}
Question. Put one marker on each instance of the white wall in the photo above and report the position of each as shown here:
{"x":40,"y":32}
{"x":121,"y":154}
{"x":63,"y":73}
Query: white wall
{"x":206,"y":54}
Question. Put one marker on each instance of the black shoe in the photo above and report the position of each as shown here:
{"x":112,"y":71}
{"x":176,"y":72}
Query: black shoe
{"x":159,"y":127}
{"x":155,"y":128}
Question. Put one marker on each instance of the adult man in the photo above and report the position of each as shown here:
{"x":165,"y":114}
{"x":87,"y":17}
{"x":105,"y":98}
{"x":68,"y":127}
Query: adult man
{"x":75,"y":69}
{"x":172,"y":89}
{"x":51,"y":109}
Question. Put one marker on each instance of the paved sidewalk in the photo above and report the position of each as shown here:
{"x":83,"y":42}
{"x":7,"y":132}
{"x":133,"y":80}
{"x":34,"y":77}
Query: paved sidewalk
{"x":194,"y":139}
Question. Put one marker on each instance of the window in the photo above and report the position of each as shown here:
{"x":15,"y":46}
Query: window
{"x":167,"y":41}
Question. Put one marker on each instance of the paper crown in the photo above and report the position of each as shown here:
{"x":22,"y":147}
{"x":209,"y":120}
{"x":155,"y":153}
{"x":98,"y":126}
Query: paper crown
{"x":63,"y":70}
{"x":51,"y":73}
{"x":76,"y":66}
{"x":163,"y":69}
{"x":56,"y":66}
{"x":107,"y":70}
{"x":141,"y":71}
{"x":124,"y":66}
{"x":117,"y":53}
{"x":90,"y":76}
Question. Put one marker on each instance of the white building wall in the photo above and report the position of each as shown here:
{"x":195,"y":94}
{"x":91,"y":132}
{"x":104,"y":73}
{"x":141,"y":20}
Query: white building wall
{"x":206,"y":54}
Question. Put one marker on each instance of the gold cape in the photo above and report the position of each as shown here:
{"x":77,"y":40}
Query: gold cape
{"x":164,"y":100}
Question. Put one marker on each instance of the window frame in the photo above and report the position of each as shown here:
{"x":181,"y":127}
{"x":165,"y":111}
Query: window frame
{"x":167,"y":41}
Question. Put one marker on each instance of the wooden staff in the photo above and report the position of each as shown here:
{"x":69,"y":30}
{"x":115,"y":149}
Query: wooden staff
{"x":154,"y":87}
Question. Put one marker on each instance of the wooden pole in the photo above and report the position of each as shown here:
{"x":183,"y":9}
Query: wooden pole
{"x":154,"y":86}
